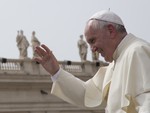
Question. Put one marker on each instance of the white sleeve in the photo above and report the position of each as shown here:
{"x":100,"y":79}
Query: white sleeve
{"x":69,"y":88}
{"x":55,"y":76}
{"x":77,"y":92}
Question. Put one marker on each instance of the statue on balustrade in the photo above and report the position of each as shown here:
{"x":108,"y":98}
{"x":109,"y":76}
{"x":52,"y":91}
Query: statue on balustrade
{"x":35,"y":42}
{"x":95,"y":56}
{"x":22,"y":44}
{"x":83,"y":48}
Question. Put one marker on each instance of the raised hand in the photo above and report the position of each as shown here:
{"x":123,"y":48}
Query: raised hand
{"x":47,"y":59}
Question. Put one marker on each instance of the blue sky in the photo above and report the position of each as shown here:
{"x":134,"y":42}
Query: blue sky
{"x":58,"y":23}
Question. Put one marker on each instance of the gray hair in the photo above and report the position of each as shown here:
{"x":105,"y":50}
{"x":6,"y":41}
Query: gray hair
{"x":99,"y":24}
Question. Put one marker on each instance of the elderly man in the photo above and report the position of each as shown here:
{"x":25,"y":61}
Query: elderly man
{"x":124,"y":84}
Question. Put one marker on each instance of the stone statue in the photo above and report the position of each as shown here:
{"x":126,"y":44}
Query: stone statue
{"x":35,"y":42}
{"x":83,"y":47}
{"x":95,"y":56}
{"x":22,"y":44}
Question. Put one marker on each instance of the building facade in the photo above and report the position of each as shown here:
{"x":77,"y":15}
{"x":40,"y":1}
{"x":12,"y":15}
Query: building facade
{"x":25,"y":87}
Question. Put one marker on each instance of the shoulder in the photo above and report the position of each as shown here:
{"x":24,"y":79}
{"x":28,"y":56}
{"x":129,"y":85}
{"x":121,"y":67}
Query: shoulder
{"x":138,"y":47}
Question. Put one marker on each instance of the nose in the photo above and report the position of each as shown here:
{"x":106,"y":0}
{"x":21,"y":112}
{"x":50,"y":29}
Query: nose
{"x":93,"y":49}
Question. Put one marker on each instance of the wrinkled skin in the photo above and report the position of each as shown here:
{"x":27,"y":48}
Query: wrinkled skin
{"x":47,"y":59}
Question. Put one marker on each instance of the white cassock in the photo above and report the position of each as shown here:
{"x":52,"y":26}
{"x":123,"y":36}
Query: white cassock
{"x":125,"y":83}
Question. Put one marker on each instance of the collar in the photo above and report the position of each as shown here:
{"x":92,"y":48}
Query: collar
{"x":123,"y":44}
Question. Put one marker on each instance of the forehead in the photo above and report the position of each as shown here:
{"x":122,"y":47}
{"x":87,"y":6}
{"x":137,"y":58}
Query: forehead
{"x":89,"y":29}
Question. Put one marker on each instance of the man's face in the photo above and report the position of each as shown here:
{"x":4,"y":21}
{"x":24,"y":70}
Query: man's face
{"x":100,"y":41}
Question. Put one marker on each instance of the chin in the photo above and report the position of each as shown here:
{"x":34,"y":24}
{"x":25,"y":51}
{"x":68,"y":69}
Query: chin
{"x":108,"y":60}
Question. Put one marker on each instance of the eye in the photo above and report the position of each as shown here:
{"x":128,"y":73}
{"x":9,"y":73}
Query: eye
{"x":91,"y":41}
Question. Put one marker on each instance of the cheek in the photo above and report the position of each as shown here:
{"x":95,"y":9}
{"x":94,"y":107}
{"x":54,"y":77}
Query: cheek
{"x":100,"y":45}
{"x":108,"y":53}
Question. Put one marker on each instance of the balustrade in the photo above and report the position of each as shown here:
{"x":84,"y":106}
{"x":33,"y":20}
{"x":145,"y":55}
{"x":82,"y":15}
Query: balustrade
{"x":17,"y":66}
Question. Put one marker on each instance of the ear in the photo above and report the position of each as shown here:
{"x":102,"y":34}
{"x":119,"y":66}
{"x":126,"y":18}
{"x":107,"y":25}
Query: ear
{"x":111,"y":30}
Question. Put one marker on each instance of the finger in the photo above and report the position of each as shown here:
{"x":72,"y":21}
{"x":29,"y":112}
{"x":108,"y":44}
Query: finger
{"x":37,"y":59}
{"x":46,"y":48}
{"x":41,"y":52}
{"x":38,"y":52}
